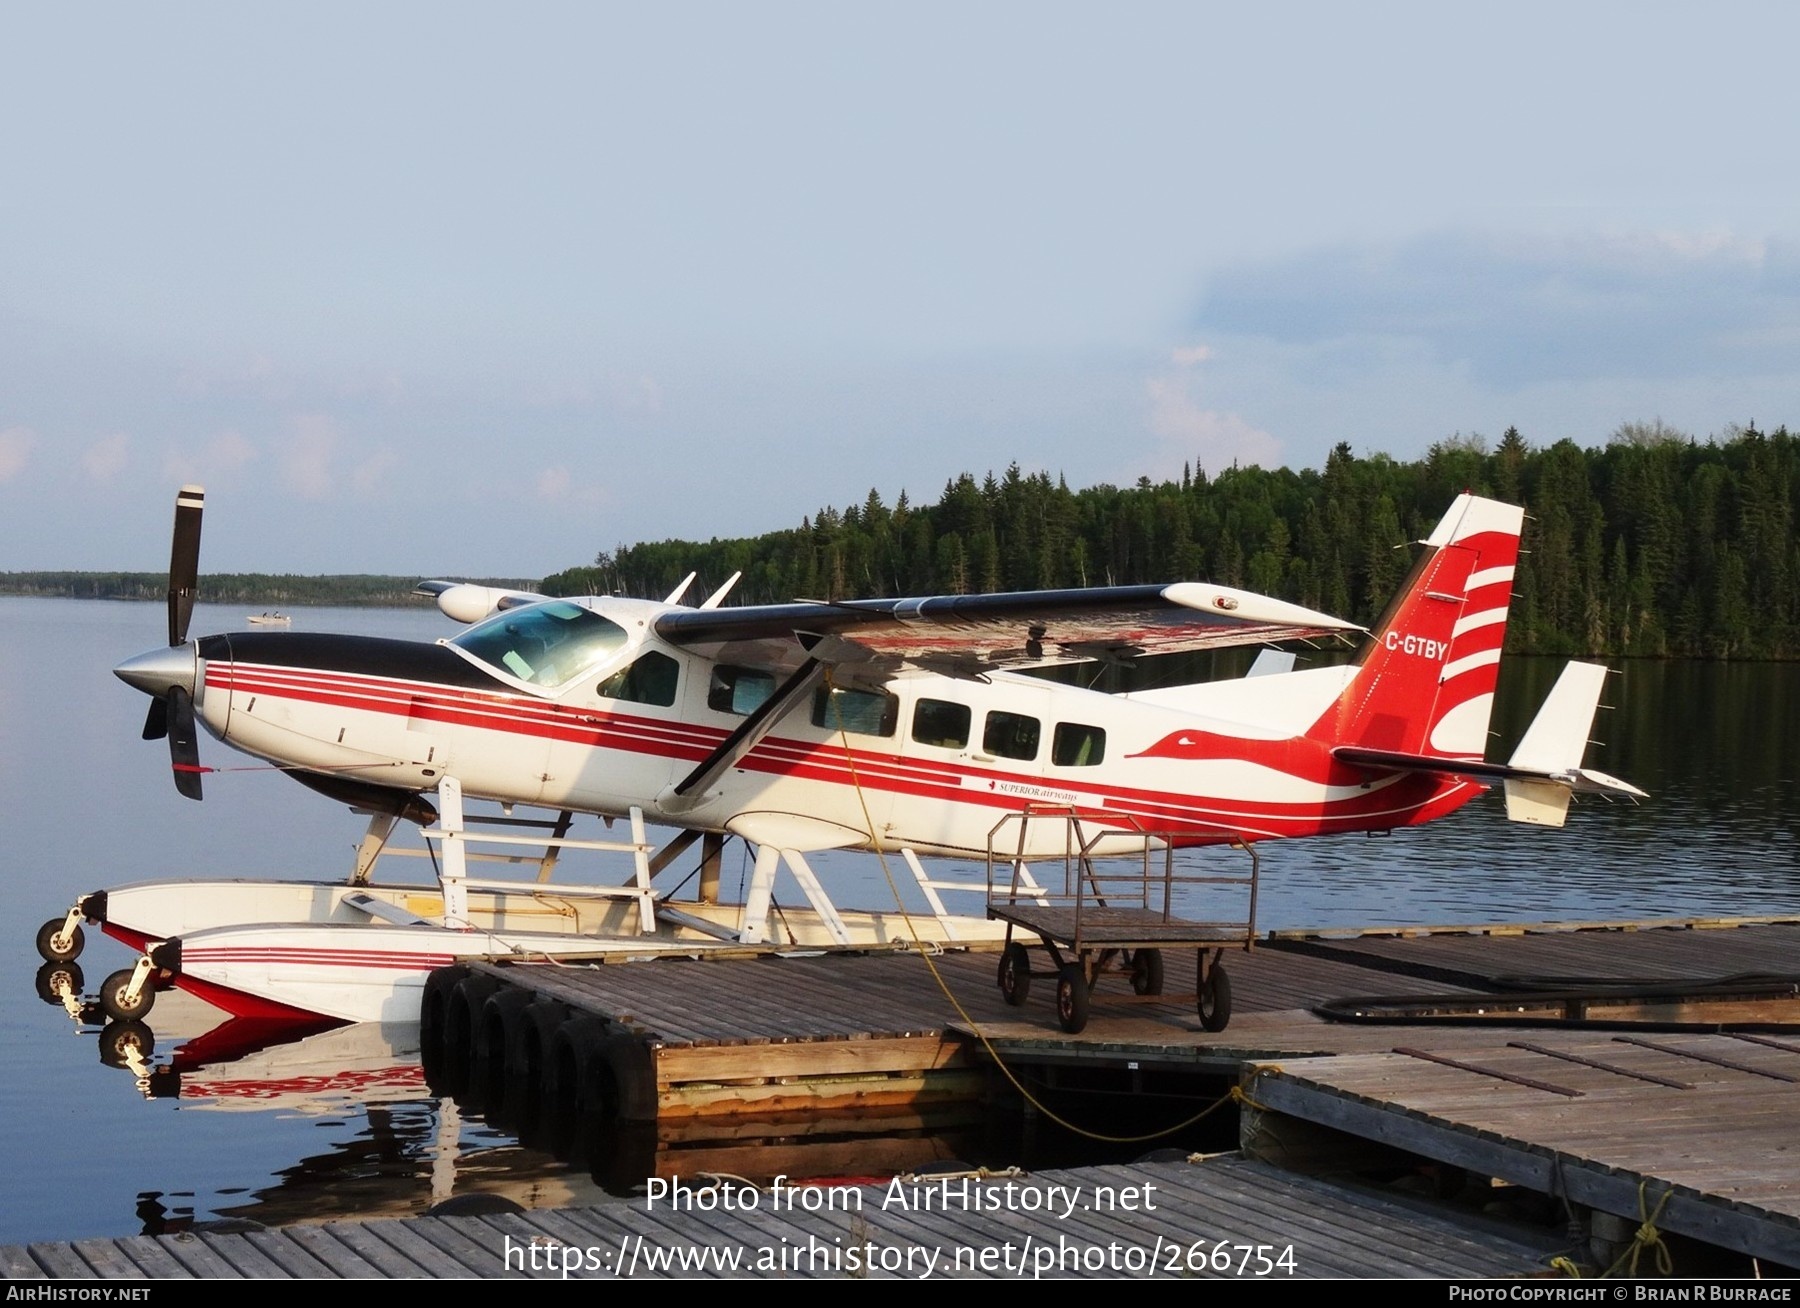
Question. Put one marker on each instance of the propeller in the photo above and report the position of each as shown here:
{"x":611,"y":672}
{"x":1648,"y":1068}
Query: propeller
{"x":184,"y":579}
{"x":184,"y":562}
{"x":184,"y":744}
{"x":169,"y":678}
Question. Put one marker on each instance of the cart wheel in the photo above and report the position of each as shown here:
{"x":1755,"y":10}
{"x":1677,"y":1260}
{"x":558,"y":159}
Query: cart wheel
{"x":1215,"y":998}
{"x":1071,"y":998}
{"x":1147,"y":971}
{"x":54,"y":946}
{"x":1015,"y":974}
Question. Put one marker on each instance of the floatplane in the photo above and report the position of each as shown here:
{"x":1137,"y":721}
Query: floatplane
{"x":913,"y":727}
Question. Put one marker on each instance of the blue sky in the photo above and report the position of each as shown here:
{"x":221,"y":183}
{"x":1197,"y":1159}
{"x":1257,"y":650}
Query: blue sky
{"x":458,"y":289}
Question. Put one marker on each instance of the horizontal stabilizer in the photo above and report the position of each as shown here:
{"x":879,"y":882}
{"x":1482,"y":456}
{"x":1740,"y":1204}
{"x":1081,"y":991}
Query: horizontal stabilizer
{"x":1545,"y":770}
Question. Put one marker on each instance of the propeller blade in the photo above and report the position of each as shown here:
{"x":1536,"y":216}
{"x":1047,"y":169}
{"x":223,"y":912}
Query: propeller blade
{"x":184,"y":745}
{"x":184,"y":562}
{"x":156,"y":722}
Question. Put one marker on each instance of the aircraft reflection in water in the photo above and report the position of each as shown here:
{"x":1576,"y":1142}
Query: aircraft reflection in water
{"x":432,"y":1124}
{"x":903,"y":726}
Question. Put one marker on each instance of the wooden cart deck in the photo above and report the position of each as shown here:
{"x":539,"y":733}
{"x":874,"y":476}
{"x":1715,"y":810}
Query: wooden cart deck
{"x":1091,"y":926}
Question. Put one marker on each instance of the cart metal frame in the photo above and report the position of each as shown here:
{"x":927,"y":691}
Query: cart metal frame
{"x":1104,"y":919}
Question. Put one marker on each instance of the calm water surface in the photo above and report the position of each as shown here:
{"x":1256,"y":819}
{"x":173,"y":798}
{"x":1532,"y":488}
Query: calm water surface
{"x":348,"y":1125}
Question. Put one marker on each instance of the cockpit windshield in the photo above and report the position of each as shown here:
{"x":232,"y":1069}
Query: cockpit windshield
{"x":545,"y":644}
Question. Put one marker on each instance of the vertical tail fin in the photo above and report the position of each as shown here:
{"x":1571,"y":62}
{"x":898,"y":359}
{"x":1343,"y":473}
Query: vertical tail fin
{"x":1426,"y":682}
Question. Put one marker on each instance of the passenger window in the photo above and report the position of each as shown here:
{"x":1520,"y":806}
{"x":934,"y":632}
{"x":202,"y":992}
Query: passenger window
{"x":941,"y":723}
{"x":1011,"y":735}
{"x":649,"y":680}
{"x":739,"y":690}
{"x":860,"y":712}
{"x":1076,"y":746}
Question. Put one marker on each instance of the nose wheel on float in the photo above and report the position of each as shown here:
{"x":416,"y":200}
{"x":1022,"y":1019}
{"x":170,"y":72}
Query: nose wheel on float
{"x":1102,"y":921}
{"x":60,"y":940}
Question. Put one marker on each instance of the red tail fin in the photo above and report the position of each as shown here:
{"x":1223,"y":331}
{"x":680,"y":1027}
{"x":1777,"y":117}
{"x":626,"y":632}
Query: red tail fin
{"x":1426,"y":682}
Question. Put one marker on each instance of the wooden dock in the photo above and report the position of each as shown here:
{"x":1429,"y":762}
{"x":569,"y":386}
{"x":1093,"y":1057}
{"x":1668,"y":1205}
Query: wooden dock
{"x":1693,"y":1132}
{"x":1459,"y":1068}
{"x":1216,"y":1219}
{"x":740,"y":1040}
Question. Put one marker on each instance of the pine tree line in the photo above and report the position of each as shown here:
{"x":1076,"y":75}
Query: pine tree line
{"x":258,"y":589}
{"x":1653,"y":545}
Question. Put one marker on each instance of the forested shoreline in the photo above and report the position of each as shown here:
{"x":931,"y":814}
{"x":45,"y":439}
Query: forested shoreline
{"x":257,"y":589}
{"x":1652,"y":545}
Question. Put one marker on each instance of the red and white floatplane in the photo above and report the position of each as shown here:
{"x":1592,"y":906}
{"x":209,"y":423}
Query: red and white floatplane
{"x":909,"y":727}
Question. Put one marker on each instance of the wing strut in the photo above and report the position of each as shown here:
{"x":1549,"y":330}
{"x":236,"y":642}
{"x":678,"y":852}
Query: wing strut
{"x":740,"y":742}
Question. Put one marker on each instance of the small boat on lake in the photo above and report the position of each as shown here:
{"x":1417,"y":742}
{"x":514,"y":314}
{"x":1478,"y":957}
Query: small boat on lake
{"x":272,"y":619}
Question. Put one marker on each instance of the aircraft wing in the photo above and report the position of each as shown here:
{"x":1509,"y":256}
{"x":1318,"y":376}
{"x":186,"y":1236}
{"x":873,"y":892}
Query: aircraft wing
{"x":972,"y":633}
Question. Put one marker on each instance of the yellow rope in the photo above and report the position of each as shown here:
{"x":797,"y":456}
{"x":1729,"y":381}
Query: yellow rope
{"x":1647,"y":1237}
{"x":920,"y":947}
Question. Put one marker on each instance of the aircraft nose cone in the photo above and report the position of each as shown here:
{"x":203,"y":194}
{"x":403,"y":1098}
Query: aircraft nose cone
{"x":155,"y":672}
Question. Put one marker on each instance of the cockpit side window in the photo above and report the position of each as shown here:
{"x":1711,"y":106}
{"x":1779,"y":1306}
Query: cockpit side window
{"x":650,"y":679}
{"x":545,"y":644}
{"x":739,"y":690}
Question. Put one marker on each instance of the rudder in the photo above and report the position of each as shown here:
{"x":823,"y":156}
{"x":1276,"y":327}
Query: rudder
{"x":1426,"y":680}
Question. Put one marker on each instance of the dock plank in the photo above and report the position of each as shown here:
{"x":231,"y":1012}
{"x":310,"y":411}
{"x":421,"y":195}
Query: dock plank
{"x":338,"y":1257}
{"x":148,"y":1254}
{"x":105,"y":1257}
{"x":60,"y":1260}
{"x":291,"y":1255}
{"x":389,"y":1261}
{"x":1708,"y":1145}
{"x":198,"y":1257}
{"x":246,"y":1255}
{"x":424,"y":1253}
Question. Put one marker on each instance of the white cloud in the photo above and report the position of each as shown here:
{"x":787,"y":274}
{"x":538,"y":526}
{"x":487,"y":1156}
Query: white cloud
{"x":223,"y":455}
{"x":108,"y":458}
{"x":370,"y":477}
{"x":557,"y":485}
{"x":16,"y":444}
{"x":554,"y":484}
{"x":1190,"y":433}
{"x":1187,"y":432}
{"x":1521,"y":310}
{"x":229,"y":451}
{"x":308,"y":454}
{"x":636,"y":394}
{"x":623,"y":392}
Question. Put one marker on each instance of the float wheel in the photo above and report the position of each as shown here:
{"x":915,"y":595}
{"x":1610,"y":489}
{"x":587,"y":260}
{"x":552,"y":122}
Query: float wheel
{"x":54,"y":946}
{"x":114,"y":996}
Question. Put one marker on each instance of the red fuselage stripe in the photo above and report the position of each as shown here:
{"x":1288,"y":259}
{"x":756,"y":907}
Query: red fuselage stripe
{"x":637,"y":735}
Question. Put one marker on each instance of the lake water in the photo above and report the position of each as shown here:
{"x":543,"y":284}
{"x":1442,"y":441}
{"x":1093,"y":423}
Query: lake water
{"x":89,"y":804}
